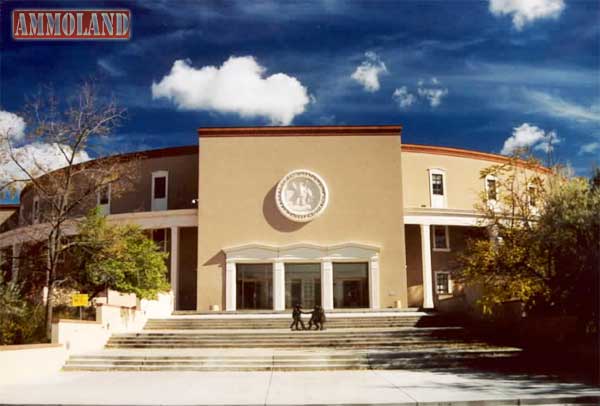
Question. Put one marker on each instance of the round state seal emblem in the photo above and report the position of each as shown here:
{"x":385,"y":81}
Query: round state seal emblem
{"x":301,"y":195}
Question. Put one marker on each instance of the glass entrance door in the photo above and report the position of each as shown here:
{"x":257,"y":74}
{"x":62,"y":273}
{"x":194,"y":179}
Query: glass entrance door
{"x":302,"y":285}
{"x":254,"y":286}
{"x":351,"y":285}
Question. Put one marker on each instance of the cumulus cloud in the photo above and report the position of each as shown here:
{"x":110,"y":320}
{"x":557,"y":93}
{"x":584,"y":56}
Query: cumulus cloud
{"x":590,"y":148}
{"x":238,"y":86}
{"x":37,"y":158}
{"x":11,"y":126}
{"x":527,"y":11}
{"x":530,"y":136}
{"x":367,"y":73}
{"x":403,"y":97}
{"x":434,"y":93}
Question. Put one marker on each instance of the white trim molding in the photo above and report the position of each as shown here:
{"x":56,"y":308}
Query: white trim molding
{"x":326,"y":255}
{"x":104,"y":208}
{"x":438,"y":201}
{"x":145,"y":219}
{"x":160,"y":203}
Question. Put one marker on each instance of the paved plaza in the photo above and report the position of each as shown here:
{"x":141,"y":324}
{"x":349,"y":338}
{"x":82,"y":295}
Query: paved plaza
{"x":278,"y":388}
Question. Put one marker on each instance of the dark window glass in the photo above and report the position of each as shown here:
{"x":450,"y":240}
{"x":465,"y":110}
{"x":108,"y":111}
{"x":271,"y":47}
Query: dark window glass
{"x":350,"y":285}
{"x":532,"y":199}
{"x":437,"y":184}
{"x":442,"y":283}
{"x":104,"y":196}
{"x":491,"y":189}
{"x":439,"y":237}
{"x":302,"y":285}
{"x":160,"y":187}
{"x":254,"y":283}
{"x":36,"y":210}
{"x":161,"y":238}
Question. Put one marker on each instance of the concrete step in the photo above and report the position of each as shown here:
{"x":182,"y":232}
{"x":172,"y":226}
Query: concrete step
{"x":304,"y":362}
{"x":281,"y":322}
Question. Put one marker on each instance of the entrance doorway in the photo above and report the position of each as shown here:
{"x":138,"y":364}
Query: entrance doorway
{"x":254,"y":283}
{"x":302,"y":285}
{"x":351,"y":285}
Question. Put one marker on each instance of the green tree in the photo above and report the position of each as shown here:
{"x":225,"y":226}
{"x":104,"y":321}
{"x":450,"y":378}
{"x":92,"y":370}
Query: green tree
{"x":543,"y":248}
{"x":119,"y":257}
{"x":20,"y":320}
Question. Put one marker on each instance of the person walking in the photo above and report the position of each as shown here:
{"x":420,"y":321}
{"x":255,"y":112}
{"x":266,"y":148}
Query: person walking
{"x":317,"y":318}
{"x":297,"y":318}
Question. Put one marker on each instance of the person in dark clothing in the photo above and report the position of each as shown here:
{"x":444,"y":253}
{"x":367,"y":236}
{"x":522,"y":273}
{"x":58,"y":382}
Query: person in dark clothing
{"x":297,"y":318}
{"x":317,"y":318}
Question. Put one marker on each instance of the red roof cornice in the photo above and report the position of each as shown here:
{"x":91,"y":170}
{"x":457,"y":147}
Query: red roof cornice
{"x":304,"y":131}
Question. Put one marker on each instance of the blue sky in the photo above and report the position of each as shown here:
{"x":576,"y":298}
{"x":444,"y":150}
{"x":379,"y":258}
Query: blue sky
{"x":465,"y":74}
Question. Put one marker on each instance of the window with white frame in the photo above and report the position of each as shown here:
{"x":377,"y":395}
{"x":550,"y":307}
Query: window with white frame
{"x":532,"y":196}
{"x":35,"y":210}
{"x":443,"y":283}
{"x":104,"y":199}
{"x":441,"y":239}
{"x":491,"y":188}
{"x":437,"y":188}
{"x":160,"y":190}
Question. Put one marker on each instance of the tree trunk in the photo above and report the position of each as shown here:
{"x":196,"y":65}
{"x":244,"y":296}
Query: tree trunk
{"x":49,"y":311}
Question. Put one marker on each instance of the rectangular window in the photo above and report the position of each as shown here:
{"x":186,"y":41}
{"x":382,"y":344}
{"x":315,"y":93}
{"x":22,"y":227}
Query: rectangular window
{"x":254,"y":284}
{"x":351,"y":285}
{"x":104,"y":200}
{"x":161,"y":237}
{"x":160,"y":187}
{"x":302,"y":285}
{"x":160,"y":190}
{"x":440,"y":238}
{"x":104,"y":196}
{"x":437,"y":184}
{"x":532,"y":196}
{"x":491,"y":189}
{"x":442,"y":283}
{"x":35,"y":213}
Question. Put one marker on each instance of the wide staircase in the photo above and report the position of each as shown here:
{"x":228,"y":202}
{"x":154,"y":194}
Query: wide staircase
{"x":399,"y":340}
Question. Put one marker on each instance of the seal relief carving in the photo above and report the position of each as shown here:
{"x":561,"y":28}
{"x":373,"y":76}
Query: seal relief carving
{"x":301,"y":195}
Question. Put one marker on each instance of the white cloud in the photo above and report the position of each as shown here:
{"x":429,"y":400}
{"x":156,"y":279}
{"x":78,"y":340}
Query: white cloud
{"x":403,"y":97}
{"x":37,"y":159}
{"x":556,"y":106}
{"x":237,"y":86}
{"x":434,"y":94}
{"x":590,"y":148}
{"x":11,"y":126}
{"x":527,"y":135}
{"x":367,"y":74}
{"x":527,"y":11}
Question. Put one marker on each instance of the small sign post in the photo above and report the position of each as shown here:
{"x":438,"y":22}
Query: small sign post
{"x":79,"y":300}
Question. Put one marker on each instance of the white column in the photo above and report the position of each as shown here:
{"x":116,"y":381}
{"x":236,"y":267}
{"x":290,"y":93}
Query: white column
{"x":16,"y":253}
{"x":230,"y":287}
{"x":327,"y":285}
{"x":374,"y":282}
{"x":175,"y":265}
{"x":426,"y":260}
{"x":278,"y":286}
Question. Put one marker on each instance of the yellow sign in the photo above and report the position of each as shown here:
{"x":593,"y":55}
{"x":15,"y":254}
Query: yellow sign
{"x":79,"y":299}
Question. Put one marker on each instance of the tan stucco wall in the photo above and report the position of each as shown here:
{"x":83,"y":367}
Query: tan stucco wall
{"x":237,"y":180}
{"x":463,"y":183}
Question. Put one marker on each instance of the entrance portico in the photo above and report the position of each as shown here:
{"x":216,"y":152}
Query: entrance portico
{"x":348,"y":275}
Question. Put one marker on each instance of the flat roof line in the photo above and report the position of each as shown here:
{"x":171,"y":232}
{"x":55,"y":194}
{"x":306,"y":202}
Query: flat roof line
{"x":299,"y":131}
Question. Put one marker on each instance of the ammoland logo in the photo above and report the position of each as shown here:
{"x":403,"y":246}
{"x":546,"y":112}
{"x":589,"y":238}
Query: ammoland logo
{"x":71,"y":24}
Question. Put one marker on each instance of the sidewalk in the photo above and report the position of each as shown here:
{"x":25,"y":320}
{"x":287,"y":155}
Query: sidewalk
{"x":285,"y":388}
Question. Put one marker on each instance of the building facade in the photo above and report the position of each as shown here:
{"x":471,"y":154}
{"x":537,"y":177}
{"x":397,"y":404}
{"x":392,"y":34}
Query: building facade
{"x":262,"y":218}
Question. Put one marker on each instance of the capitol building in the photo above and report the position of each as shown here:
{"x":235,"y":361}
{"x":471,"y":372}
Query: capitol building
{"x":261,"y":218}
